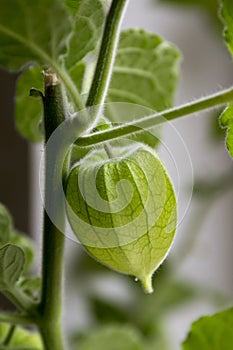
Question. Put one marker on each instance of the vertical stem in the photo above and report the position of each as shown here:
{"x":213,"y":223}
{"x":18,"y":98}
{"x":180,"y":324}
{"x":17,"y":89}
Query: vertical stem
{"x":104,"y":67}
{"x":53,"y":239}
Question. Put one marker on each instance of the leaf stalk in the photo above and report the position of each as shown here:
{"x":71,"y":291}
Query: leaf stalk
{"x":145,"y":123}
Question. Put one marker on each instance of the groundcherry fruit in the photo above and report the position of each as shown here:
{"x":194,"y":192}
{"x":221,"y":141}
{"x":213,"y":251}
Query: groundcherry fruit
{"x":123,"y":210}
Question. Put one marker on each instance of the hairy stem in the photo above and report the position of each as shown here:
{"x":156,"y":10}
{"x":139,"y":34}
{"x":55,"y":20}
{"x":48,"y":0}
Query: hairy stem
{"x":104,"y":67}
{"x":150,"y":121}
{"x":53,"y":239}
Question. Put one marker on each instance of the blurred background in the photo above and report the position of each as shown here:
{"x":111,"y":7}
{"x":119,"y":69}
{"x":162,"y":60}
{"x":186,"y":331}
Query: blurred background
{"x":197,"y":277}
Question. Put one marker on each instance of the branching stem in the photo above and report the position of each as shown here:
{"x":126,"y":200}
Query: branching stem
{"x":150,"y":121}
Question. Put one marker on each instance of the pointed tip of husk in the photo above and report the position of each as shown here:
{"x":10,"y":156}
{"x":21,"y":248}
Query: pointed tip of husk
{"x":147,"y":284}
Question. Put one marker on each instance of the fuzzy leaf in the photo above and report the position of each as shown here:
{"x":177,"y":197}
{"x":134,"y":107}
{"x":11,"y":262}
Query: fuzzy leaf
{"x":226,"y":121}
{"x":84,"y":36}
{"x":22,"y":339}
{"x":88,"y":17}
{"x":32,"y":31}
{"x":145,"y":71}
{"x":113,"y":338}
{"x":12,"y":261}
{"x":123,"y":210}
{"x":88,"y":24}
{"x":211,"y":332}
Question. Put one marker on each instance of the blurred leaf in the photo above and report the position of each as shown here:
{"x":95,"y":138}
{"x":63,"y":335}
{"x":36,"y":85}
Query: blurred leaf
{"x":145,"y":71}
{"x":106,"y":312}
{"x":28,"y":109}
{"x":207,"y":189}
{"x":8,"y":234}
{"x":31,"y":286}
{"x":227,"y":15}
{"x":156,"y":337}
{"x":27,"y":245}
{"x":5,"y":225}
{"x":170,"y":294}
{"x":22,"y":339}
{"x":216,"y":132}
{"x":113,"y":338}
{"x":12,"y":261}
{"x":211,"y":332}
{"x":226,"y":120}
{"x":77,"y":73}
{"x":211,"y":6}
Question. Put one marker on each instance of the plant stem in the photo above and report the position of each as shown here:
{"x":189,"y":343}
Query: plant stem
{"x":14,"y":318}
{"x":107,"y":54}
{"x":53,"y":239}
{"x":71,"y":88}
{"x":148,"y":122}
{"x":21,"y":300}
{"x":104,"y":67}
{"x":9,"y":336}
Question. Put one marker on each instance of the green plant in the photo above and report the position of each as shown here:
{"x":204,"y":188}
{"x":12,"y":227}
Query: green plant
{"x":90,"y":105}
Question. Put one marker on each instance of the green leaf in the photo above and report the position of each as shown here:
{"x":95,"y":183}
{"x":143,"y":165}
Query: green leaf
{"x":88,"y":18}
{"x":226,"y":121}
{"x":60,"y":40}
{"x":28,"y":109}
{"x":123,"y":210}
{"x":5,"y":225}
{"x":22,"y":339}
{"x":88,"y":21}
{"x":8,"y":234}
{"x":145,"y":71}
{"x":113,"y":338}
{"x":77,"y":73}
{"x":32,"y":31}
{"x":12,"y":261}
{"x":27,"y":245}
{"x":211,"y":332}
{"x":227,"y":15}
